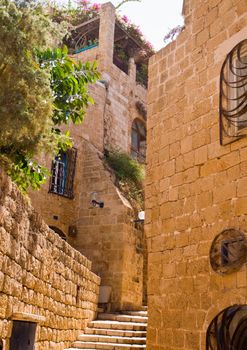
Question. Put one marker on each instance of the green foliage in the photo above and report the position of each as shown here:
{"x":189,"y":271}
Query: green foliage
{"x":40,"y":89}
{"x":27,"y":173}
{"x":130,"y":175}
{"x":69,"y":84}
{"x":142,"y":74}
{"x":25,"y":93}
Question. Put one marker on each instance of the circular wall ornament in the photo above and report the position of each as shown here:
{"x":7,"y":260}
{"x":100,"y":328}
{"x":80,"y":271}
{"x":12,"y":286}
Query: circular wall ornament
{"x":228,"y":251}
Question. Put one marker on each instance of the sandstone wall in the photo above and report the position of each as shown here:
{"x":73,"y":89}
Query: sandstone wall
{"x":59,"y":211}
{"x":41,"y":274}
{"x":195,"y":188}
{"x":122,"y":90}
{"x":107,"y":235}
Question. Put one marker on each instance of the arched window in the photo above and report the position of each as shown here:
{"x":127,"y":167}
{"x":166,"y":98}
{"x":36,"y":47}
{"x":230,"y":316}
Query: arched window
{"x":138,"y":140}
{"x":233,"y":95}
{"x":59,"y":232}
{"x":228,"y":330}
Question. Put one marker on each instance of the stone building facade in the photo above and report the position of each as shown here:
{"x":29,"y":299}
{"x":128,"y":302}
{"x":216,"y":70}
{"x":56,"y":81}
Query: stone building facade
{"x":48,"y":292}
{"x":195,"y":187}
{"x":107,"y":236}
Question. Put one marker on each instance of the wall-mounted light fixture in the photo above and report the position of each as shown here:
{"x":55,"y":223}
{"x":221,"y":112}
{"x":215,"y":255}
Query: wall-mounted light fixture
{"x":94,"y":202}
{"x":141,"y":217}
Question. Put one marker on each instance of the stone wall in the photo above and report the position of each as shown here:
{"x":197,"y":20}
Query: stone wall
{"x":195,"y":188}
{"x":59,"y":211}
{"x":107,"y":236}
{"x":122,"y":90}
{"x":41,"y":276}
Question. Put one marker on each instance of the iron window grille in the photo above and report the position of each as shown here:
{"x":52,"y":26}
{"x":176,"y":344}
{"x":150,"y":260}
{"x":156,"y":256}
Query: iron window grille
{"x":63,"y":171}
{"x":233,"y":95}
{"x":231,"y":250}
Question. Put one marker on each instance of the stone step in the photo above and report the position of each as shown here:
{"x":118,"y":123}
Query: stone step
{"x":111,"y":339}
{"x":106,"y":324}
{"x":107,"y":346}
{"x":115,"y":332}
{"x":123,"y":318}
{"x":135,"y":313}
{"x":144,"y":308}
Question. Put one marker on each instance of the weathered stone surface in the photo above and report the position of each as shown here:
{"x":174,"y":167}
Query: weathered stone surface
{"x":106,"y":236}
{"x":187,"y":206}
{"x":39,"y":278}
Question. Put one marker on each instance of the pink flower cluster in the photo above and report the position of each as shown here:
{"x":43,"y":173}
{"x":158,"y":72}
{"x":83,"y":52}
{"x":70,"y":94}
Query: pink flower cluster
{"x":87,"y":6}
{"x":95,"y":7}
{"x":131,"y":27}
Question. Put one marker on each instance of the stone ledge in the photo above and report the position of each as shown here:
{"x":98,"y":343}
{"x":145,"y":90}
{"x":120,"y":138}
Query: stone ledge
{"x":24,"y":316}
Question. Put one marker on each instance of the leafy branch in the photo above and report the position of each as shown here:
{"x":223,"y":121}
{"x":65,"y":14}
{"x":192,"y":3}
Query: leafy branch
{"x":40,"y":89}
{"x":124,"y":2}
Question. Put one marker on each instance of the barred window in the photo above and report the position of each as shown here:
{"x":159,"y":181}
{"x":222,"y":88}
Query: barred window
{"x":233,"y":95}
{"x":138,"y":140}
{"x":63,"y":170}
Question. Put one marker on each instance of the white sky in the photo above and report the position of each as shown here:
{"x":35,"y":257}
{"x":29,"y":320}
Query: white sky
{"x":155,"y":17}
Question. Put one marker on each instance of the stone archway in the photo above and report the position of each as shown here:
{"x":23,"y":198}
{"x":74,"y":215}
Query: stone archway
{"x":59,"y":232}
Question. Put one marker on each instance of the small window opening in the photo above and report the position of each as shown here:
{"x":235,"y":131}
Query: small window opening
{"x":230,"y":251}
{"x":138,"y":140}
{"x":78,"y":293}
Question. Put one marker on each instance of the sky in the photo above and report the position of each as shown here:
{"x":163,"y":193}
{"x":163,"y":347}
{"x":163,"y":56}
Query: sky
{"x":155,"y":17}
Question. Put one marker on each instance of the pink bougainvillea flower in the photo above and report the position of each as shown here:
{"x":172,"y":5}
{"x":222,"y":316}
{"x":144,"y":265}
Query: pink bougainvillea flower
{"x":125,"y":19}
{"x":138,"y":31}
{"x":84,"y":2}
{"x":149,"y":45}
{"x":96,"y":7}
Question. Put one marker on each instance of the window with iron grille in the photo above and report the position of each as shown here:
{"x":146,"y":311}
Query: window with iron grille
{"x":63,"y":170}
{"x":233,"y":95}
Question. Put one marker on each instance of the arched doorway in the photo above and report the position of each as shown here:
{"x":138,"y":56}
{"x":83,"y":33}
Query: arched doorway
{"x":59,"y":232}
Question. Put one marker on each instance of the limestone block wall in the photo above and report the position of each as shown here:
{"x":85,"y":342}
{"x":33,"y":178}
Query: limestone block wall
{"x":107,"y":235}
{"x":195,"y":188}
{"x":40,"y":274}
{"x":122,"y":90}
{"x":57,"y":210}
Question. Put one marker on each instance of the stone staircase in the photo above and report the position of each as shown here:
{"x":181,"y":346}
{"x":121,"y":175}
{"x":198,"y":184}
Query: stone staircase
{"x":115,"y":331}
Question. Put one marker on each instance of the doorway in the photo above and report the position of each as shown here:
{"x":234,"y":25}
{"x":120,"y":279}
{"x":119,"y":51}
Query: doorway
{"x":23,"y":335}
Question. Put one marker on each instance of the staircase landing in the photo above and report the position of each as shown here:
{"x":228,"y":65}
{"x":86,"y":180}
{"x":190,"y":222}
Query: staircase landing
{"x":115,"y":331}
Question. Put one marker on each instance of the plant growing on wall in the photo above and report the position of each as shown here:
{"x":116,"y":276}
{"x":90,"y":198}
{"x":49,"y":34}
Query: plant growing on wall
{"x":129,"y":174}
{"x":40,"y":88}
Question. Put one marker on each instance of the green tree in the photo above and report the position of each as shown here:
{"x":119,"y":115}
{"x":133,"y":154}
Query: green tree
{"x":40,"y":89}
